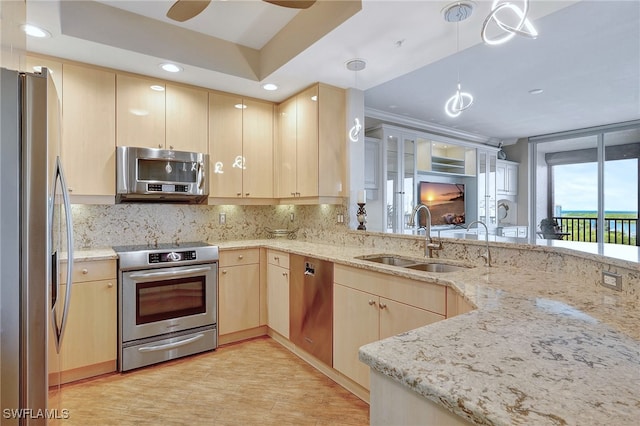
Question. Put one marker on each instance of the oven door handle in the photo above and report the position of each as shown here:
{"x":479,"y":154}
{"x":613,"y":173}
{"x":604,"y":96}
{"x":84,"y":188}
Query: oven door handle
{"x":171,"y":345}
{"x":148,"y":276}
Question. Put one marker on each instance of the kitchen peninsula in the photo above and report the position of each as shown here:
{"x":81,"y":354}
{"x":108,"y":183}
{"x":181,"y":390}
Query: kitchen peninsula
{"x":545,"y":345}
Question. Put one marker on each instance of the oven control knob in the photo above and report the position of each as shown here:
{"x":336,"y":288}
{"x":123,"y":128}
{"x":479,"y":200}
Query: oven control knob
{"x":173,"y":256}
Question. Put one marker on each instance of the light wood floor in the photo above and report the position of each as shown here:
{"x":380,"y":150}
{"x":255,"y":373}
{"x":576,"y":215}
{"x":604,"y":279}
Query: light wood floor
{"x":257,"y":382}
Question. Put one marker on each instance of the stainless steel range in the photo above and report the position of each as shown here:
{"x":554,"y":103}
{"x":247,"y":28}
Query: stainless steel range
{"x":167,"y":302}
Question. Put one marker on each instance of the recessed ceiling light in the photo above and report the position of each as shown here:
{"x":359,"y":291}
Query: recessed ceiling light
{"x":33,"y":31}
{"x":535,"y":91}
{"x":171,"y":67}
{"x":157,"y":88}
{"x":240,"y":106}
{"x":269,"y":86}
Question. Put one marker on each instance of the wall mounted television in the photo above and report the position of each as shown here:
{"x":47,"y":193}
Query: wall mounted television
{"x":445,"y":201}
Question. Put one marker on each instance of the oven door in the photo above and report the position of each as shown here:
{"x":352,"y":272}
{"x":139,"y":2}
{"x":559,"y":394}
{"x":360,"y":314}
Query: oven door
{"x":167,"y":300}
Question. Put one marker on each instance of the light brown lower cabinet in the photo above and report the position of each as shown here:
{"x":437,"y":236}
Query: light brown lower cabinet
{"x":89,"y":345}
{"x":238,"y":290}
{"x":278,"y":292}
{"x":369,"y":306}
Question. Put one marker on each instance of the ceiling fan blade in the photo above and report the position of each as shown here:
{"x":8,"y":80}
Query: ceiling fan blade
{"x":183,"y":10}
{"x":293,"y":4}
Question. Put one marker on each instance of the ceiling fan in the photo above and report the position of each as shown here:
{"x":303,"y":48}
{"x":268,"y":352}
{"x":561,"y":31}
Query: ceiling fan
{"x":183,"y":10}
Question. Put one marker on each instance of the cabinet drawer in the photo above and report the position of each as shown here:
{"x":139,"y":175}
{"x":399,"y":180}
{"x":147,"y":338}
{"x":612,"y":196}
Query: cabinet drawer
{"x":239,"y":257}
{"x":420,"y":294}
{"x":278,"y":258}
{"x":93,"y":270}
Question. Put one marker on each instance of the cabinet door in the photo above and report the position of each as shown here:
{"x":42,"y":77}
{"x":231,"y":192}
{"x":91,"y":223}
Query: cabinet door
{"x":502,"y":184}
{"x":89,"y":135}
{"x":257,"y":149}
{"x":355,"y":323}
{"x":396,"y":318}
{"x":186,"y":119}
{"x":307,"y":142}
{"x":332,"y":141}
{"x":286,"y":153}
{"x":278,"y":299}
{"x":512,"y":179}
{"x":225,"y":145}
{"x":140,"y":112}
{"x":239,"y":298}
{"x":90,"y":336}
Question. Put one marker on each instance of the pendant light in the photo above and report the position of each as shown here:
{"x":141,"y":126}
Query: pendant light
{"x":356,"y":65}
{"x":523,"y":28}
{"x":460,"y":101}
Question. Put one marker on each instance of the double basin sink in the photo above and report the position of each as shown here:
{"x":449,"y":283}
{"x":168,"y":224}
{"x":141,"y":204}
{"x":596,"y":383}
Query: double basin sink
{"x":427,"y":265}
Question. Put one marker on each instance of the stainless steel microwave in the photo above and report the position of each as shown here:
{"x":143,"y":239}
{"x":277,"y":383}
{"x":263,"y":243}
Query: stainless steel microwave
{"x":160,"y":175}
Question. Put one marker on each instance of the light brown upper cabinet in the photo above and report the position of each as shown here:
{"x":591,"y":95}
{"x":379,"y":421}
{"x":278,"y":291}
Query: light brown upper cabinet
{"x":312,"y":144}
{"x":89,"y":130}
{"x":154,"y":114}
{"x":240,"y":147}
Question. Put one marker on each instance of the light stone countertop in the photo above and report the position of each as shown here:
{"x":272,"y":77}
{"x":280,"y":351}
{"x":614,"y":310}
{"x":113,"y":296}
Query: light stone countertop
{"x":541,"y":348}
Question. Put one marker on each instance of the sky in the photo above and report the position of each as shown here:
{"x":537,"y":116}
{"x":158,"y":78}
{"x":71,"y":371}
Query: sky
{"x":576,"y":186}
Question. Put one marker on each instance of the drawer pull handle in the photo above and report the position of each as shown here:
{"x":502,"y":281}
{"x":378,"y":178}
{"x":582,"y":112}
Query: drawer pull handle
{"x":224,"y":271}
{"x":276,"y":257}
{"x":285,"y":274}
{"x":383,"y":306}
{"x":110,"y":285}
{"x":372,"y":302}
{"x":240,"y":257}
{"x":85,"y":271}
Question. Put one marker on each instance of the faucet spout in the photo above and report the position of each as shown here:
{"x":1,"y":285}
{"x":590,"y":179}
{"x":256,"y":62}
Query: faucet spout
{"x":486,"y":256}
{"x":429,"y":245}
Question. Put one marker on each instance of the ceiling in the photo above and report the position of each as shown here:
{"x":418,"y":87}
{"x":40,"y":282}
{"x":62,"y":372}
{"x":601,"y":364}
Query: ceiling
{"x":586,"y":59}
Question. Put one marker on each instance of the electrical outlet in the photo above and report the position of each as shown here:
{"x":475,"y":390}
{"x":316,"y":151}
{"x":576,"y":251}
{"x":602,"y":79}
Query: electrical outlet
{"x":340,"y":218}
{"x":612,"y":280}
{"x":222,"y":218}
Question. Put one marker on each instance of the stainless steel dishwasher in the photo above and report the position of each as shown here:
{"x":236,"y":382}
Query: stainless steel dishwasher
{"x":311,"y":306}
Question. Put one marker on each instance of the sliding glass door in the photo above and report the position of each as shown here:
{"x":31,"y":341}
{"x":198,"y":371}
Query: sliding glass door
{"x":585,"y":185}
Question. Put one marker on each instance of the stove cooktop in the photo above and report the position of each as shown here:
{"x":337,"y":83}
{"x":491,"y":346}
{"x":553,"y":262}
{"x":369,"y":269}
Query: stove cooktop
{"x":159,"y":247}
{"x":143,"y":256}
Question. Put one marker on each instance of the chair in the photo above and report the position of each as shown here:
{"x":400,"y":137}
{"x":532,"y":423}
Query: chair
{"x":550,"y":230}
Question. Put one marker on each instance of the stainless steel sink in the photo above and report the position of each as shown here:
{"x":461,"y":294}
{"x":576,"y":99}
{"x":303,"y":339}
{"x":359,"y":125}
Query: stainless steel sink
{"x":436,"y":267}
{"x":403,"y":262}
{"x":389,"y":260}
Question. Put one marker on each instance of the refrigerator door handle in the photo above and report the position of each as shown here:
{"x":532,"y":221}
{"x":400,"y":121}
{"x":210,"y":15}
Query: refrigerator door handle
{"x":59,"y":328}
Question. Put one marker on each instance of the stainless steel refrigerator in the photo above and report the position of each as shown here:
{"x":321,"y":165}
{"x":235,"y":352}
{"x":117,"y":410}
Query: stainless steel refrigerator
{"x":35,"y":241}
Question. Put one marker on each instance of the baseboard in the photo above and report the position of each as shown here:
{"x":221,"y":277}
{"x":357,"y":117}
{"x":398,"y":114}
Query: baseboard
{"x":242,"y":335}
{"x":72,"y":375}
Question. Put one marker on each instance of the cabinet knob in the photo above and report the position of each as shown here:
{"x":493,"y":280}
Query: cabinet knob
{"x":276,"y":257}
{"x":159,"y":145}
{"x":246,"y":194}
{"x":240,"y":257}
{"x":170,"y":146}
{"x":69,"y":189}
{"x":239,"y":194}
{"x":85,"y":271}
{"x":293,"y":193}
{"x":372,"y":302}
{"x":285,"y":274}
{"x":110,"y":285}
{"x":224,"y":271}
{"x":383,"y":306}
